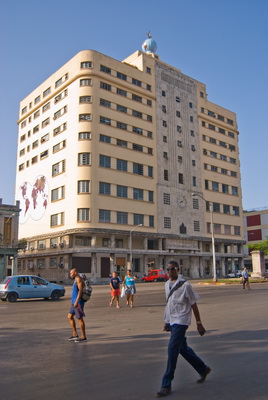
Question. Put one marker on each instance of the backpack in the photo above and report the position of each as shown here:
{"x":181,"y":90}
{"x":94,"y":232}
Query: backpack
{"x":87,"y":289}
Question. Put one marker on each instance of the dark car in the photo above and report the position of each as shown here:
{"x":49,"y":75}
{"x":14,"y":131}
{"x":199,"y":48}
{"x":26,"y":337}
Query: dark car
{"x":17,"y":287}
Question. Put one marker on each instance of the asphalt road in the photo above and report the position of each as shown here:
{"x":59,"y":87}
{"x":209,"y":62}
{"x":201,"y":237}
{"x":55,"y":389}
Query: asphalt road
{"x":125,"y":356}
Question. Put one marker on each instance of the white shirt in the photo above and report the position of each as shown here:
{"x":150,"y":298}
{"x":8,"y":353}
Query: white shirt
{"x":179,"y":306}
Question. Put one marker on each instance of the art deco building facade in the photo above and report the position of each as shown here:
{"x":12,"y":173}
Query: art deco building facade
{"x":109,"y":155}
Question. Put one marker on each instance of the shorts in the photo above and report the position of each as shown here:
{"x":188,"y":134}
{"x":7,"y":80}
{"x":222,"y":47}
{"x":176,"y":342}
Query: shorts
{"x":115,"y":292}
{"x":78,"y":311}
{"x":131,"y":289}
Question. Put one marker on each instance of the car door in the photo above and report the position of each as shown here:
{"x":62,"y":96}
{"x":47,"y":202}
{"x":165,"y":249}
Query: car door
{"x":24,"y":287}
{"x":40,"y":287}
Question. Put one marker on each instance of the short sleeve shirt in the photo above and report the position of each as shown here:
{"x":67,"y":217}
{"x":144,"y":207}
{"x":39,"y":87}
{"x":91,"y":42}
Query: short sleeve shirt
{"x":115,"y":283}
{"x":179,"y":306}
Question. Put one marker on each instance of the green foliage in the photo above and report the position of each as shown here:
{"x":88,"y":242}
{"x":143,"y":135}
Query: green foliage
{"x":260,"y":246}
{"x":22,"y":244}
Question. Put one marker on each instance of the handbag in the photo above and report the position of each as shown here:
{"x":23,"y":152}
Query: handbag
{"x":123,"y":291}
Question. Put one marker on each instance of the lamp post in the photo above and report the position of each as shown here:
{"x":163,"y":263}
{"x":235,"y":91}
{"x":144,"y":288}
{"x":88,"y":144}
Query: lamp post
{"x":130,"y":244}
{"x":212,"y":235}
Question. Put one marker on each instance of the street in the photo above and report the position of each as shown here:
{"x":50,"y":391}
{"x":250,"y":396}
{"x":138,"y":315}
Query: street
{"x":126,"y":352}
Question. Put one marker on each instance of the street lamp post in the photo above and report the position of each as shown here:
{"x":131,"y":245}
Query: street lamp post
{"x":212,"y":235}
{"x":130,"y":244}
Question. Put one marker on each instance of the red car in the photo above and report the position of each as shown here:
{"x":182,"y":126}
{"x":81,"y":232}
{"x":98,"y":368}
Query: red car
{"x":156,"y":275}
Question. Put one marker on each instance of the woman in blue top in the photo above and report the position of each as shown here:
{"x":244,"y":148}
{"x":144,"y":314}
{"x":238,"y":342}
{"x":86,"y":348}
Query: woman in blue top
{"x":130,"y":289}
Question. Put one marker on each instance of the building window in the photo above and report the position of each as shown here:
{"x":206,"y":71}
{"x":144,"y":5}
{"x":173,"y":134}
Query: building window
{"x":180,"y":178}
{"x":44,"y":154}
{"x":138,"y":219}
{"x":136,"y":114}
{"x":165,"y":139}
{"x":119,"y":243}
{"x":149,"y":103}
{"x":215,"y":186}
{"x":84,"y":159}
{"x":222,"y":131}
{"x":83,"y":214}
{"x":105,"y":188}
{"x":136,"y":82}
{"x":137,"y":147}
{"x":36,"y":115}
{"x":227,"y":229}
{"x":105,"y":161}
{"x":85,"y":99}
{"x":226,"y":209}
{"x":46,"y":107}
{"x":121,"y":76}
{"x":166,"y":198}
{"x":60,"y":112}
{"x":139,"y":131}
{"x":61,"y":96}
{"x":236,"y":210}
{"x":237,"y":230}
{"x":225,"y":188}
{"x":148,"y":87}
{"x":163,"y":93}
{"x":58,"y":168}
{"x":194,"y":180}
{"x":105,"y":86}
{"x":84,"y":117}
{"x":195,"y":204}
{"x":82,"y":241}
{"x":167,"y":222}
{"x":234,"y":191}
{"x":165,"y":175}
{"x":121,"y":165}
{"x":178,"y":114}
{"x":121,"y":125}
{"x":104,"y":216}
{"x":83,"y":186}
{"x":232,"y":160}
{"x":105,"y":138}
{"x":86,"y":64}
{"x":104,"y":120}
{"x":121,"y":191}
{"x":105,"y":69}
{"x":60,"y":129}
{"x":151,"y":220}
{"x":84,"y":135}
{"x":178,"y":100}
{"x":121,"y":92}
{"x":46,"y":92}
{"x":36,"y":129}
{"x":137,"y":194}
{"x":230,"y":121}
{"x":37,"y":99}
{"x":121,"y":143}
{"x":150,"y":196}
{"x":216,"y":207}
{"x":105,"y":103}
{"x":45,"y":122}
{"x":137,"y":169}
{"x":85,"y":82}
{"x":191,"y":119}
{"x":164,"y":124}
{"x":121,"y":108}
{"x":57,"y":219}
{"x":58,"y":193}
{"x":150,"y":171}
{"x":122,"y":217}
{"x":196,"y":226}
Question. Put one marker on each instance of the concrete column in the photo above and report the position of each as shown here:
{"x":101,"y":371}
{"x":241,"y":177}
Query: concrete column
{"x":112,"y":241}
{"x":160,"y":244}
{"x":112,"y":260}
{"x":258,"y":264}
{"x":94,"y":267}
{"x":194,"y":267}
{"x":145,"y":243}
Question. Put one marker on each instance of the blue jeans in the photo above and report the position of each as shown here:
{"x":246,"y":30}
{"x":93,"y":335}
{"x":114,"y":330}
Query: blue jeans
{"x":178,"y":345}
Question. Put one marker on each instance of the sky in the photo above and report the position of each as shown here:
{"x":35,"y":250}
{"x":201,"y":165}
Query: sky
{"x":223,"y":44}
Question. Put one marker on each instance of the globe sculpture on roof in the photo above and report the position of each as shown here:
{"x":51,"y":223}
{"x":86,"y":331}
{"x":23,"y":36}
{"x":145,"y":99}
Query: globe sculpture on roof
{"x":149,"y":45}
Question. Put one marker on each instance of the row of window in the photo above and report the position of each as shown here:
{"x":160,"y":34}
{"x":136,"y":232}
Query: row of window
{"x":45,"y":93}
{"x":123,"y":126}
{"x":125,"y":144}
{"x":120,"y":108}
{"x":126,"y":192}
{"x":105,"y":216}
{"x":54,"y":262}
{"x":179,"y":128}
{"x":222,"y":157}
{"x":217,"y":129}
{"x":218,"y":142}
{"x":120,"y":75}
{"x":219,"y":170}
{"x":215,"y":186}
{"x":125,"y":93}
{"x":218,"y":116}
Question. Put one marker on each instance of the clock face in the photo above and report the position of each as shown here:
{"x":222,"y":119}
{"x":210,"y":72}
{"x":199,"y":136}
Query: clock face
{"x":181,"y":201}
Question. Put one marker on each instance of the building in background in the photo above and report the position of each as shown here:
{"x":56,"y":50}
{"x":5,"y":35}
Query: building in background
{"x":256,"y":230}
{"x":109,"y":156}
{"x":9,"y":223}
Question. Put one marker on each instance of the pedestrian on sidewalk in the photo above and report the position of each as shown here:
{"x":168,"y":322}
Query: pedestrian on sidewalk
{"x":130,"y":288}
{"x":77,"y":308}
{"x":115,"y":289}
{"x":181,"y":301}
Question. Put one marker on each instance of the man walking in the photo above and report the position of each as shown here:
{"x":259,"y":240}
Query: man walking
{"x":181,"y":300}
{"x":77,"y":308}
{"x":245,"y":276}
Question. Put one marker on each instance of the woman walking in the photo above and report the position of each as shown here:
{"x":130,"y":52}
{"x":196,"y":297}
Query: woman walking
{"x":130,"y":289}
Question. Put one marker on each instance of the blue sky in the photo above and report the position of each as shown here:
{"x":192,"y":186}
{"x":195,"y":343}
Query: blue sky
{"x":223,"y":44}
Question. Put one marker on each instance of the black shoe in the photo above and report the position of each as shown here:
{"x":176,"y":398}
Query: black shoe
{"x":163,"y":391}
{"x":203,"y":376}
{"x":73,"y":337}
{"x":80,"y":340}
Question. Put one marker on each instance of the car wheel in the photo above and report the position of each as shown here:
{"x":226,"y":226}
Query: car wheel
{"x":155,"y":280}
{"x":55,"y":295}
{"x":12,"y":297}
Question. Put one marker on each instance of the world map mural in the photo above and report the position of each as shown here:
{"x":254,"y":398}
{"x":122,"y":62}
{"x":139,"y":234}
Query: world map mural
{"x":33,"y":199}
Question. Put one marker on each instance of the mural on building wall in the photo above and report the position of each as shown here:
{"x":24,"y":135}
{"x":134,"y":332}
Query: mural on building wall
{"x":33,"y":198}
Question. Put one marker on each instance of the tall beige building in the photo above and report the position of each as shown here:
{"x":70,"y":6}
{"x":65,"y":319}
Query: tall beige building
{"x":110,"y":154}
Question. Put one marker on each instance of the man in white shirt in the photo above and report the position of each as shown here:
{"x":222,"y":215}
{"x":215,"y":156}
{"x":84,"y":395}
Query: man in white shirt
{"x":181,"y":301}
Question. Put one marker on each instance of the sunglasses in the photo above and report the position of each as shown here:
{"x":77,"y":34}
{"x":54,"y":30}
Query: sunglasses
{"x":171,"y":269}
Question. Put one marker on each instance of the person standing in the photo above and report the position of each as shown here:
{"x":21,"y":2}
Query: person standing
{"x":245,"y":280}
{"x":181,"y":301}
{"x":130,"y":288}
{"x":77,"y":308}
{"x":115,"y":289}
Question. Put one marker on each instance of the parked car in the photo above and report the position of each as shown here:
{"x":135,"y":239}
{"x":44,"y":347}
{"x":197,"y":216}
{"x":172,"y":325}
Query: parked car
{"x":156,"y":275}
{"x":235,"y":274}
{"x":17,"y":287}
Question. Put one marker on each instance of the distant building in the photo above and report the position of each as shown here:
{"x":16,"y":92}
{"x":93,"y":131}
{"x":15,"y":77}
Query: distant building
{"x":9,"y":222}
{"x":256,"y":230}
{"x":109,"y":155}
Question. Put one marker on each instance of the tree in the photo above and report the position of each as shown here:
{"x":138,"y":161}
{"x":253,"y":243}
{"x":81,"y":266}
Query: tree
{"x":260,"y":246}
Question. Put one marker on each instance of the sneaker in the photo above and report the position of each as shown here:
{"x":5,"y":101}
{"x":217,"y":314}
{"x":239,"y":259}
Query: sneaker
{"x":163,"y":391}
{"x":73,"y":337}
{"x":203,"y":376}
{"x":79,"y":340}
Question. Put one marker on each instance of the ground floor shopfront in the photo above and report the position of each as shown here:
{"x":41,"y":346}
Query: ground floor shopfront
{"x":98,"y":254}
